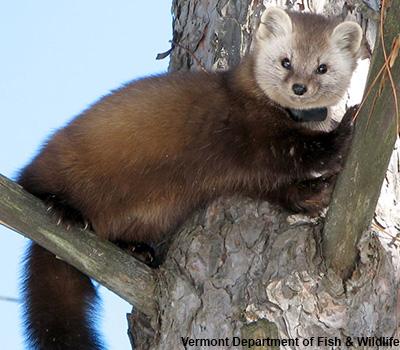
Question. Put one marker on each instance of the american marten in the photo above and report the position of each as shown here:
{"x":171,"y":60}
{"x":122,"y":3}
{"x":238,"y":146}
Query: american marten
{"x":138,"y":162}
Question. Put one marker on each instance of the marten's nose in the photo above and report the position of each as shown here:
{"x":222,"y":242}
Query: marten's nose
{"x":299,"y":89}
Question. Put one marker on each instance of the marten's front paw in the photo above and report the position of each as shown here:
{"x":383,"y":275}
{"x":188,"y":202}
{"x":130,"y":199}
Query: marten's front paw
{"x":313,"y":196}
{"x":63,"y":214}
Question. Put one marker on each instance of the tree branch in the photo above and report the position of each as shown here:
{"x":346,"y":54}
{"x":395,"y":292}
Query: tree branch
{"x":99,"y":259}
{"x":358,"y":187}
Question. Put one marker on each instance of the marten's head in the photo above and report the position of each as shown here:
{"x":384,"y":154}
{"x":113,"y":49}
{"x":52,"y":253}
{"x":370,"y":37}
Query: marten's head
{"x":305,"y":61}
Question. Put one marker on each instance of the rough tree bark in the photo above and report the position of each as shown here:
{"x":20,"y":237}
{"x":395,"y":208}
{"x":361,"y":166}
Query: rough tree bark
{"x":246,"y":269}
{"x":241,"y":268}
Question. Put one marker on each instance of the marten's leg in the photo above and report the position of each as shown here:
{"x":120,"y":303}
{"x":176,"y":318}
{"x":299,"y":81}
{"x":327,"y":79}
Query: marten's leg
{"x":59,"y":304}
{"x":310,"y":154}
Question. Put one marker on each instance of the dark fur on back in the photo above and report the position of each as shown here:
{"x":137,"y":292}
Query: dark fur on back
{"x":139,"y":161}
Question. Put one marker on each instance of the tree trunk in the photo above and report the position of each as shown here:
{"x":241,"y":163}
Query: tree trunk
{"x":246,"y":269}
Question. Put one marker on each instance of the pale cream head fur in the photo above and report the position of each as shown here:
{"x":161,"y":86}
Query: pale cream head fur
{"x":307,"y":41}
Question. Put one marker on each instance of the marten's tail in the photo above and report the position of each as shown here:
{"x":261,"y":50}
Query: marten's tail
{"x":59,"y":301}
{"x":58,"y":304}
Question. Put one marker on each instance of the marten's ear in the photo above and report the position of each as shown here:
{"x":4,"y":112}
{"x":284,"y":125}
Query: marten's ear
{"x":348,"y":36}
{"x":274,"y":22}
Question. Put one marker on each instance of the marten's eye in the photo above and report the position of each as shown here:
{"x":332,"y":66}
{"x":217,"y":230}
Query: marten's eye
{"x":322,"y":69}
{"x":286,"y":63}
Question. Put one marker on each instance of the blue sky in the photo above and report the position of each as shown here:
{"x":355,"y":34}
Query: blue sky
{"x":56,"y":58}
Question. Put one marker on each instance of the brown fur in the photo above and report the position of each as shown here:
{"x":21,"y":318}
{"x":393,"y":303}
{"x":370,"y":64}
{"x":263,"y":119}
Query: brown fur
{"x":139,"y":161}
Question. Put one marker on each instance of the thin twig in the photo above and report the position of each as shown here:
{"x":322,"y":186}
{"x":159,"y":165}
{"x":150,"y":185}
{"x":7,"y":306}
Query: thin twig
{"x":382,"y":230}
{"x":10,"y":299}
{"x":385,"y":68}
{"x":387,"y":63}
{"x":190,"y":53}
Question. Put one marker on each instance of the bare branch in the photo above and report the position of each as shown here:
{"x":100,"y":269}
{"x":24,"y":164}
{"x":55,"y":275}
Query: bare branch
{"x":358,"y":187}
{"x":99,"y":259}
